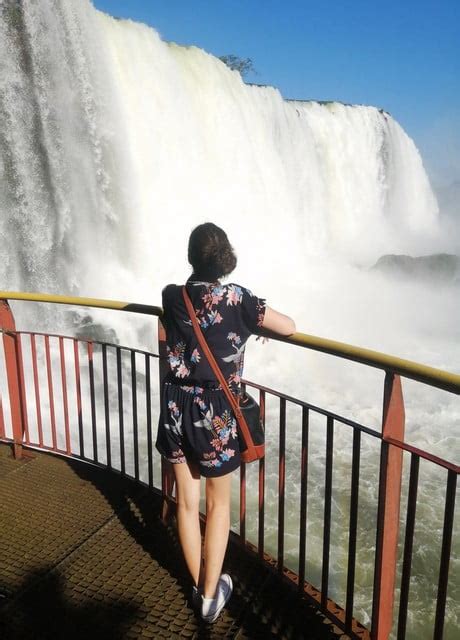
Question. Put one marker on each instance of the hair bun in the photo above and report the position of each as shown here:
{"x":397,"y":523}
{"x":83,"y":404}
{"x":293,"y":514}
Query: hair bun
{"x":210,"y":252}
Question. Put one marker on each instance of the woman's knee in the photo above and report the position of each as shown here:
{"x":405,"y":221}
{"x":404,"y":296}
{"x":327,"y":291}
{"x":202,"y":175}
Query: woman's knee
{"x":188,"y":500}
{"x":218,"y":494}
{"x":217,"y":509}
{"x":188,"y":488}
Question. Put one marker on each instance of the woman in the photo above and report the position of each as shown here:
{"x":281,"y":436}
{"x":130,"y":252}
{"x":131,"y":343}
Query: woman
{"x":197,"y":429}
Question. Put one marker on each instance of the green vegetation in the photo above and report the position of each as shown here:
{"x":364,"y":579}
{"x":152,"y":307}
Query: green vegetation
{"x":242,"y":65}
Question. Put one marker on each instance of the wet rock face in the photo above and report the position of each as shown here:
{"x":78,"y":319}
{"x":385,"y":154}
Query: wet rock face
{"x":439,"y":267}
{"x":86,"y":328}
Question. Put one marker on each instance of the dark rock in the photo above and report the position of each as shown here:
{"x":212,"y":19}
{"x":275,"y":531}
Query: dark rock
{"x":439,"y":267}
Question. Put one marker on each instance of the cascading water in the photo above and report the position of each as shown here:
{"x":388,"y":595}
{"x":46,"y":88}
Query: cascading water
{"x":115,"y":144}
{"x":108,"y":134}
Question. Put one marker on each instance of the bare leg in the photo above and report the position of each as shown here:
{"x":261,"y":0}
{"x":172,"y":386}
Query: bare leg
{"x":188,"y":521}
{"x":217,"y":528}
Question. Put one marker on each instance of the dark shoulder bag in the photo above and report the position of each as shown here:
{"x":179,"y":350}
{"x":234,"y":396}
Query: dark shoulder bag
{"x":247,"y":412}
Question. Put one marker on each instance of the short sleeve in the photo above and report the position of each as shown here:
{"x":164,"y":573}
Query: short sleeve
{"x":169,"y":295}
{"x":253,"y":310}
{"x":167,"y":302}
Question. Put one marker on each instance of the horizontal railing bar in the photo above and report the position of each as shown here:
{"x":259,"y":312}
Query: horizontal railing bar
{"x":450,"y":466}
{"x":307,"y":405}
{"x":444,"y":380}
{"x":90,"y":461}
{"x":48,"y":449}
{"x":115,"y":305}
{"x":83,"y":340}
{"x":421,"y":373}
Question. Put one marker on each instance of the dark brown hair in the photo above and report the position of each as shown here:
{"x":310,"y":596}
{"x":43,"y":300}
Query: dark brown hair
{"x":210,"y":253}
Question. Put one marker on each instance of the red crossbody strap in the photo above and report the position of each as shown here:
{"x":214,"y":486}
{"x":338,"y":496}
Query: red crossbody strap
{"x":215,"y":367}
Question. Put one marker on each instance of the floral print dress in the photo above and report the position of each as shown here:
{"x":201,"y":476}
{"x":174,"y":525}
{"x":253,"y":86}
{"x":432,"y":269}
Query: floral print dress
{"x":196,"y":421}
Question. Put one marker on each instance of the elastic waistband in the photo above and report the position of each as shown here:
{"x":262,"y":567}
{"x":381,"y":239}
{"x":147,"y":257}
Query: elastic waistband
{"x":187,"y":385}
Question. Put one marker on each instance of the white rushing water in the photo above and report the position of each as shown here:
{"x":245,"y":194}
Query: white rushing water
{"x":115,"y":144}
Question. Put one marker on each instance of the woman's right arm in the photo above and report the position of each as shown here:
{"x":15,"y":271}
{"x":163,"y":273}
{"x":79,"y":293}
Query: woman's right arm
{"x":278,"y":322}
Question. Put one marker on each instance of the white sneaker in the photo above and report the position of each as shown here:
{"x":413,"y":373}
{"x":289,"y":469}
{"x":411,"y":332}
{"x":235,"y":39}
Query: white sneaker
{"x":211,"y":607}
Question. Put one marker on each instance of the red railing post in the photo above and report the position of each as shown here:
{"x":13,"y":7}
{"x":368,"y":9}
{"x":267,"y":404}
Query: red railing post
{"x":389,"y":507}
{"x":15,"y":382}
{"x":167,"y":473}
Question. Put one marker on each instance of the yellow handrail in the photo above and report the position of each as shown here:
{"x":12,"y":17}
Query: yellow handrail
{"x":422,"y":373}
{"x":407,"y":368}
{"x":82,"y":302}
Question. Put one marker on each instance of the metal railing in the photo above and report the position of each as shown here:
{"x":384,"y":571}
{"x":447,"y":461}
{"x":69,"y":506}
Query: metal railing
{"x":107,"y":381}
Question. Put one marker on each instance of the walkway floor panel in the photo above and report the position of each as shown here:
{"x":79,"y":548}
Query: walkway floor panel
{"x":84,"y":555}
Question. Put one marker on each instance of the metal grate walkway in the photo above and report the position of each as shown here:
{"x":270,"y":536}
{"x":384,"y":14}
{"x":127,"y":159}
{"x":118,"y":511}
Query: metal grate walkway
{"x":83,"y":555}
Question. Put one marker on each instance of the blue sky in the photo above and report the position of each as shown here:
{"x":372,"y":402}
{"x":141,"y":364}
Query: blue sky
{"x":402,"y":56}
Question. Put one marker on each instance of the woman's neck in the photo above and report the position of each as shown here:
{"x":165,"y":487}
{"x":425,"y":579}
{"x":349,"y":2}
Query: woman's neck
{"x":197,"y":278}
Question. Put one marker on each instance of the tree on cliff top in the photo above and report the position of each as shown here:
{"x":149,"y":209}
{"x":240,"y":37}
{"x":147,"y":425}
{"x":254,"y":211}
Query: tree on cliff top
{"x":242,"y":65}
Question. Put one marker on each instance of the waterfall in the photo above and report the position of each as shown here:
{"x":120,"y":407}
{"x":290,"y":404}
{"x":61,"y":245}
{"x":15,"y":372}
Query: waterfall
{"x":62,"y":197}
{"x":114,"y":144}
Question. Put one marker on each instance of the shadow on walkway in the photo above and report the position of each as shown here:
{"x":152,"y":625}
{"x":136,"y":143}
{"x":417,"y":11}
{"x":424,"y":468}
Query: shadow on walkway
{"x":138,"y":510}
{"x":43,"y":611}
